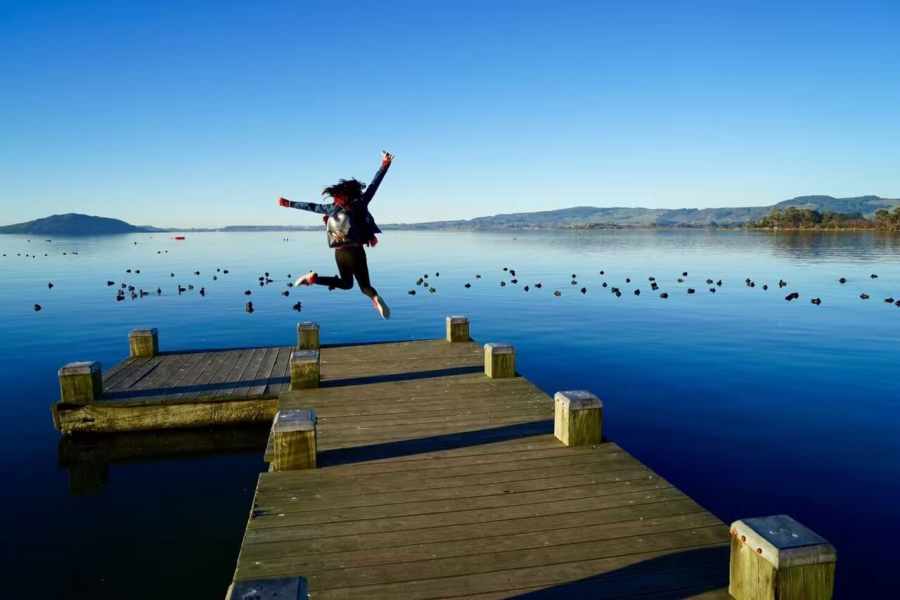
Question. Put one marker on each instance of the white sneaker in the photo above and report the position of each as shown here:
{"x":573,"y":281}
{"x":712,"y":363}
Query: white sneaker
{"x":381,"y":307}
{"x":308,"y":279}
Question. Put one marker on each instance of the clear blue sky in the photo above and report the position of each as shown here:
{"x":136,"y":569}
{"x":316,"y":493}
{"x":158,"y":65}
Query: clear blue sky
{"x":203,"y":113}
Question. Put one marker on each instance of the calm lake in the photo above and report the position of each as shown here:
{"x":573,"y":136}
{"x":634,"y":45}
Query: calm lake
{"x":750,"y":404}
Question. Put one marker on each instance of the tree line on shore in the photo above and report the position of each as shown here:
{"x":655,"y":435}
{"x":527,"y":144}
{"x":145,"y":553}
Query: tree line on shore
{"x":805,"y":218}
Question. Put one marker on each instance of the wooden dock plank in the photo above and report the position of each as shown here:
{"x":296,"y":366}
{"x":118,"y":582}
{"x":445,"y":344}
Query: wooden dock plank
{"x":237,"y":372}
{"x":243,"y":386}
{"x":261,"y":382}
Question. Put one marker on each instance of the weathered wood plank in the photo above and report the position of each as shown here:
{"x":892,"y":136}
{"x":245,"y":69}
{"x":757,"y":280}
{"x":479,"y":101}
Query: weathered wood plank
{"x":134,"y":364}
{"x":237,"y":372}
{"x":261,"y":381}
{"x":198,"y":388}
{"x":242,"y":388}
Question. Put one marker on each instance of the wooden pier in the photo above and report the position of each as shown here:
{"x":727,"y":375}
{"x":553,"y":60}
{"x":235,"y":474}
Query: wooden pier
{"x":432,"y":469}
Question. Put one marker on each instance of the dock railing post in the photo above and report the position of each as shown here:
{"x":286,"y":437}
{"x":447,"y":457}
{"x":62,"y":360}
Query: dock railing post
{"x":80,"y":383}
{"x":499,"y":361}
{"x":578,"y":418}
{"x":294,"y":434}
{"x":304,"y":369}
{"x":777,"y":557}
{"x":280,"y":588}
{"x":307,"y":336}
{"x":457,"y":329}
{"x":144,"y":342}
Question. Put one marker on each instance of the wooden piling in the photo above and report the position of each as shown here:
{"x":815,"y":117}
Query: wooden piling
{"x":578,"y":418}
{"x":280,"y":588}
{"x":457,"y":329}
{"x":304,"y":369}
{"x":778,"y":558}
{"x":294,"y":433}
{"x":307,"y":336}
{"x":81,"y":383}
{"x":144,"y":342}
{"x":499,"y":361}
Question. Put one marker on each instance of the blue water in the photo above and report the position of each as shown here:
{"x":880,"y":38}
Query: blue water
{"x":750,"y":404}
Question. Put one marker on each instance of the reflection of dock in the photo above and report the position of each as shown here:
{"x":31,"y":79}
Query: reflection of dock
{"x":432,"y":469}
{"x":88,"y":458}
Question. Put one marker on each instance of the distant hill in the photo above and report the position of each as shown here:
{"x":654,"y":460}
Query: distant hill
{"x":72,"y":224}
{"x":581,"y":216}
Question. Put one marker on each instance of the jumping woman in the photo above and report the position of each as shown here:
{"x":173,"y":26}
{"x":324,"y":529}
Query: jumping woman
{"x":349,"y":227}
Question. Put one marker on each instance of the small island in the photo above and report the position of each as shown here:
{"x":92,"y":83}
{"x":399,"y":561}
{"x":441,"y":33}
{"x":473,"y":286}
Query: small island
{"x":72,"y":224}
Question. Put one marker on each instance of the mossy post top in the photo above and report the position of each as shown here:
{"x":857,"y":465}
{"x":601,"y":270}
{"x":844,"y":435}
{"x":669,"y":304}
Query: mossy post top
{"x":457,"y":320}
{"x":294,"y":420}
{"x":307,"y":326}
{"x":578,"y":400}
{"x":783,"y":542}
{"x":80,"y":368}
{"x":304,"y":356}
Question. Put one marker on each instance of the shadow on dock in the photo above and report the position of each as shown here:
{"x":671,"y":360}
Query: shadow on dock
{"x":693,"y":572}
{"x":451,"y":441}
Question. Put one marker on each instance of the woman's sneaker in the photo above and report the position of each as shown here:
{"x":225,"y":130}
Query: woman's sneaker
{"x":308,"y":279}
{"x":381,"y":307}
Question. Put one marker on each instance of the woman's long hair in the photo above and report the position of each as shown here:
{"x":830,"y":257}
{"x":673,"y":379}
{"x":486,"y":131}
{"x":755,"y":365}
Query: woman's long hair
{"x":349,"y":189}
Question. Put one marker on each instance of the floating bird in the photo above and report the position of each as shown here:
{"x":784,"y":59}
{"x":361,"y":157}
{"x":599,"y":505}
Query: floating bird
{"x":782,"y":283}
{"x":864,"y":296}
{"x":653,"y":286}
{"x":225,"y":272}
{"x":526,"y":288}
{"x":628,"y":280}
{"x":792,"y":296}
{"x":584,"y":290}
{"x":719,"y":283}
{"x":538,"y":285}
{"x":181,"y":289}
{"x":709,"y":282}
{"x":505,"y":269}
{"x":289,"y":276}
{"x":889,"y":300}
{"x":680,"y":280}
{"x":159,"y":291}
{"x":249,"y":307}
{"x":873,"y":276}
{"x":130,"y":288}
{"x":171,"y":274}
{"x":298,"y":307}
{"x":691,"y":290}
{"x":468,"y":285}
{"x":431,"y":290}
{"x":684,"y":274}
{"x":765,"y":287}
{"x":747,"y":281}
{"x":752,"y":284}
{"x":411,"y":292}
{"x":420,"y":281}
{"x":651,"y":279}
{"x":478,"y":277}
{"x":37,"y":308}
{"x":50,"y":286}
{"x":664,"y":295}
{"x":604,"y":284}
{"x":202,"y":291}
{"x":247,"y":293}
{"x":712,"y":290}
{"x":215,"y":278}
{"x":574,"y":282}
{"x":514,"y":281}
{"x":438,"y":274}
{"x":120,"y":297}
{"x":816,"y":301}
{"x":897,"y":303}
{"x":842,"y":280}
{"x":137,"y":271}
{"x":124,"y":286}
{"x":426,"y":276}
{"x":637,"y":292}
{"x":557,"y":293}
{"x":602,"y":273}
{"x":502,"y":284}
{"x":128,"y":270}
{"x":220,"y":270}
{"x":512,"y":272}
{"x":190,"y":287}
{"x":618,"y":294}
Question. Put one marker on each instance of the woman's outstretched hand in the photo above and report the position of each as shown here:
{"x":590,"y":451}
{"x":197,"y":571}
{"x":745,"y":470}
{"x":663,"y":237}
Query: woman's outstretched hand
{"x":284,"y":202}
{"x":386,"y":158}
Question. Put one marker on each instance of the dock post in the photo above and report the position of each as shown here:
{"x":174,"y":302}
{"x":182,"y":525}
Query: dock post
{"x":777,"y":557}
{"x":81,"y":383}
{"x":144,"y":342}
{"x":307,"y":336}
{"x":294,"y":433}
{"x":499,"y":361}
{"x":304,"y":369}
{"x":578,"y":418}
{"x":457,"y":329}
{"x":280,"y":588}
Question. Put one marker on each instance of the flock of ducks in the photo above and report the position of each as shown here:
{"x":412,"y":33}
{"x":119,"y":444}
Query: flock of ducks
{"x":654,"y":286}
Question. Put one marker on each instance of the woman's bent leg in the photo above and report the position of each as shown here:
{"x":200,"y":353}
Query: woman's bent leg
{"x":345,"y":261}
